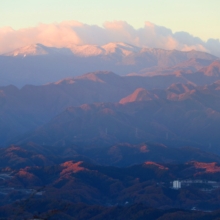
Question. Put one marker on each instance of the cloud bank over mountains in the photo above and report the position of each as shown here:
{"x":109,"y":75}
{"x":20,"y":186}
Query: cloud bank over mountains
{"x":73,"y":32}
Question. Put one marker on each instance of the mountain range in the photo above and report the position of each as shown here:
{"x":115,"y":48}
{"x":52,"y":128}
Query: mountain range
{"x":27,"y":65}
{"x":109,"y":143}
{"x":188,"y":122}
{"x":23,"y":110}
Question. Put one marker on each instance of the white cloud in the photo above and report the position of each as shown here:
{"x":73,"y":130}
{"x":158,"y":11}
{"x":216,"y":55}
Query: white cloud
{"x":73,"y":32}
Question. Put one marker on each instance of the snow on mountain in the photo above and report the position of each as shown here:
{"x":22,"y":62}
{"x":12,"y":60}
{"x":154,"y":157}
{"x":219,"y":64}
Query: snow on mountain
{"x":78,"y":50}
{"x":49,"y":64}
{"x":37,"y":50}
{"x":86,"y":50}
{"x":122,"y":48}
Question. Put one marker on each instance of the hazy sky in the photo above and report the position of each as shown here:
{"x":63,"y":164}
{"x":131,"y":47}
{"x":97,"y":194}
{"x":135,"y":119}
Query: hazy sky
{"x":199,"y":17}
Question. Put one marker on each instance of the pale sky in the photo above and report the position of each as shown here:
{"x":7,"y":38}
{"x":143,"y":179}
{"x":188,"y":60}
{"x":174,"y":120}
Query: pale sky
{"x":200,"y":18}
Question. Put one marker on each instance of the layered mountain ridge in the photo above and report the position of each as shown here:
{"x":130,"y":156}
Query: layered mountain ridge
{"x":109,"y":143}
{"x":28,"y":64}
{"x":25,"y":109}
{"x":186,"y":122}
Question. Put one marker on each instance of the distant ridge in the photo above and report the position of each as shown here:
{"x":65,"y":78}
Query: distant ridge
{"x":38,"y":64}
{"x":31,"y":106}
{"x":213,"y":69}
{"x":78,"y":50}
{"x":122,"y":49}
{"x":38,"y":50}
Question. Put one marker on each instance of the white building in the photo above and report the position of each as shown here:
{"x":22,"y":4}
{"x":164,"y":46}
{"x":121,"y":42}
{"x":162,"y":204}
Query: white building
{"x":176,"y":184}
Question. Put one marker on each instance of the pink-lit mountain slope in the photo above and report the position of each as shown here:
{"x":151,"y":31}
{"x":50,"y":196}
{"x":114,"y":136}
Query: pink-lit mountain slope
{"x":31,"y":106}
{"x":38,"y":64}
{"x":178,"y":92}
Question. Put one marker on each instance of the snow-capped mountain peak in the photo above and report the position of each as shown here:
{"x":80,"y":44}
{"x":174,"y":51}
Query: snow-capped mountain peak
{"x":122,"y":48}
{"x":86,"y":50}
{"x":38,"y":50}
{"x":31,"y":50}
